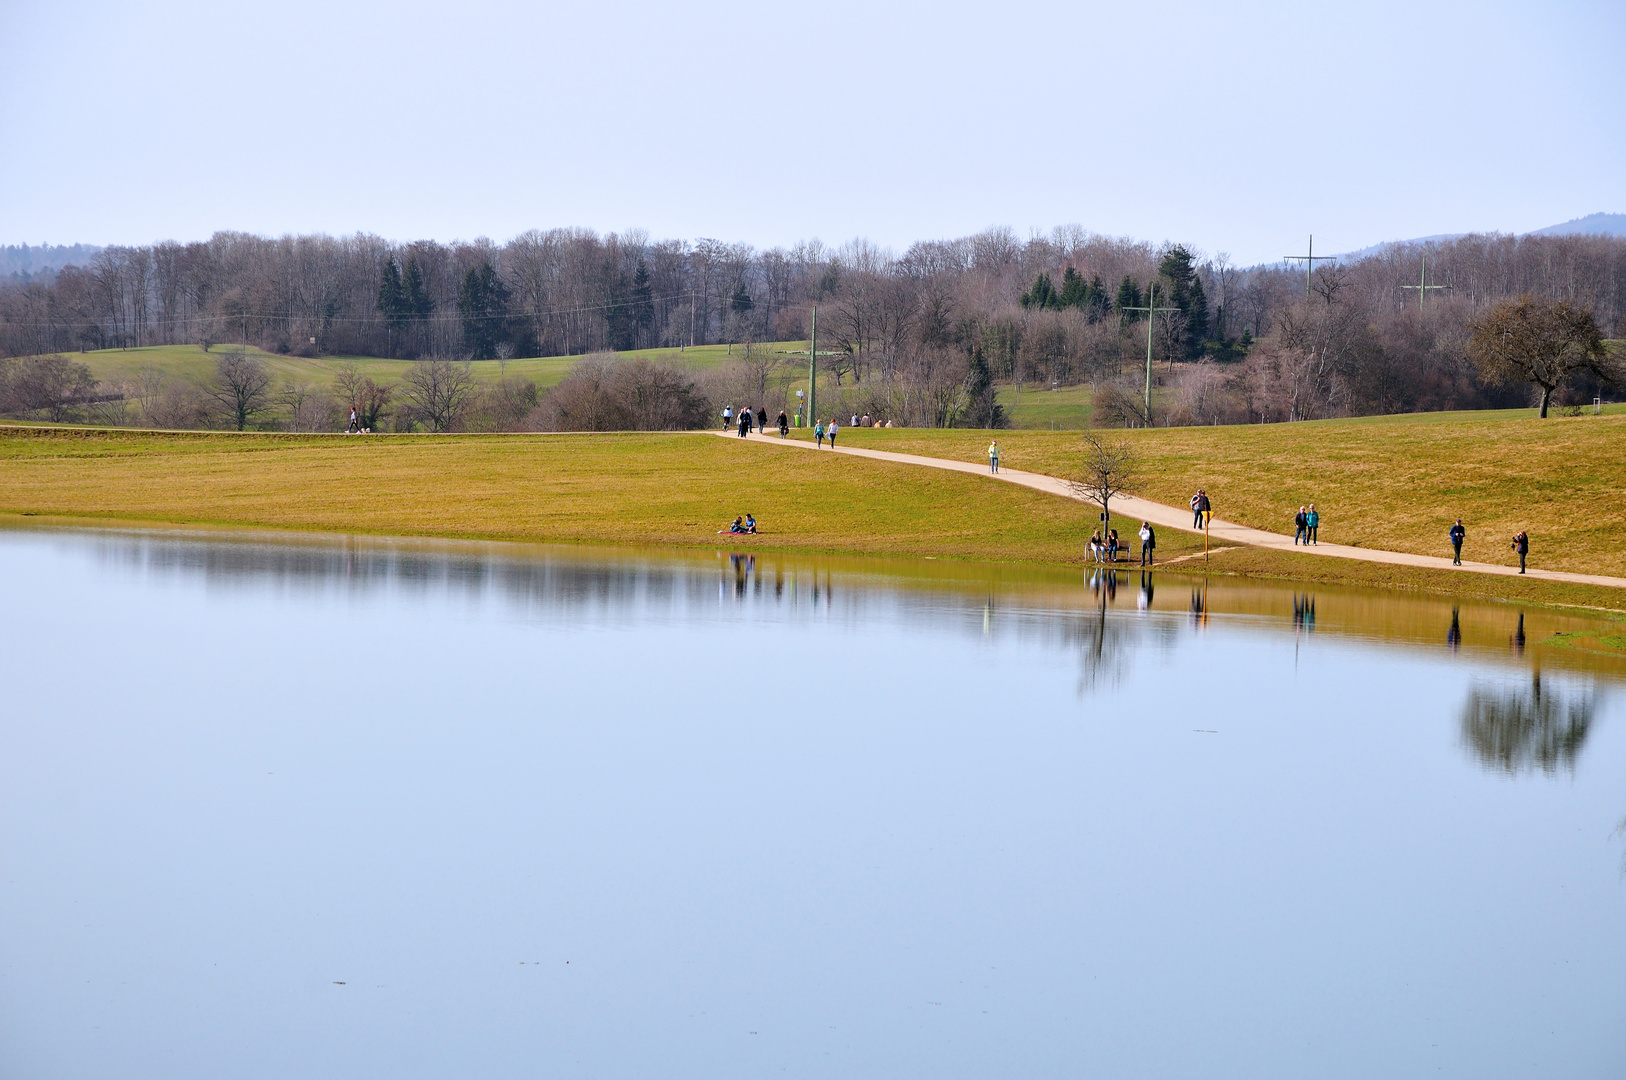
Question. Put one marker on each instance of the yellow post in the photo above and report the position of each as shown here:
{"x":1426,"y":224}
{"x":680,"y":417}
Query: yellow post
{"x":1208,"y":515}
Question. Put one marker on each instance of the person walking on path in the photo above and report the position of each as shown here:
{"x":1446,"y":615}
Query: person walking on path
{"x":818,"y":433}
{"x":1148,"y":543}
{"x":1312,"y":522}
{"x":1458,"y":534}
{"x":1300,"y":524}
{"x":993,"y":456}
{"x":1196,"y":509}
{"x":1204,"y":507}
{"x":834,"y":427}
{"x":745,"y":422}
{"x":728,"y":417}
{"x":762,"y":418}
{"x":1521,"y":544}
{"x":784,"y":424}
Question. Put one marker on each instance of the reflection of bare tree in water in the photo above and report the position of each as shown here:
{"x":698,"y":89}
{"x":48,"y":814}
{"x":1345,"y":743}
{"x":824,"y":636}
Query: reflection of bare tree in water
{"x":1105,"y":646}
{"x":1517,"y":729}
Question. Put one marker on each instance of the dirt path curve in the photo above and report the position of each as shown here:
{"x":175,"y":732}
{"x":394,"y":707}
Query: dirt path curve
{"x":1174,"y":517}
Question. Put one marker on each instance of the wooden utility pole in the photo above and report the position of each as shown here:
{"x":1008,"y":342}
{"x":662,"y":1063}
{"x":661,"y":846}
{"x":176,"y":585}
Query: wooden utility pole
{"x":1151,"y":310}
{"x":1309,"y":261}
{"x":1423,"y":286}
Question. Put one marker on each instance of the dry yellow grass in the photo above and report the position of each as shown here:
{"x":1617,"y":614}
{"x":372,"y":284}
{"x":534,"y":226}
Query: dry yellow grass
{"x":666,"y":489}
{"x":1393,"y":482}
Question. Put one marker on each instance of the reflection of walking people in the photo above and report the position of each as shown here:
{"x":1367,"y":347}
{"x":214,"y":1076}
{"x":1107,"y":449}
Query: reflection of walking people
{"x":1148,"y":543}
{"x":1300,"y":525}
{"x":1312,"y":523}
{"x":1453,"y":636}
{"x":1458,"y":534}
{"x":1521,"y":544}
{"x":993,"y":456}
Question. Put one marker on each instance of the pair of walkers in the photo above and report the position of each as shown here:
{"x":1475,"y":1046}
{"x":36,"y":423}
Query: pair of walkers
{"x":820,"y":431}
{"x":1306,"y":526}
{"x":1200,"y":509}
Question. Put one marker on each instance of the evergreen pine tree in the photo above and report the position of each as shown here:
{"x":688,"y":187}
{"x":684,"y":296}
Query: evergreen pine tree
{"x":1074,"y":291}
{"x":643,"y":300}
{"x":416,"y":306}
{"x":741,"y":300}
{"x":1042,"y":295}
{"x":482,"y":301}
{"x":1128,"y":297}
{"x":981,"y":409}
{"x":1097,"y":302}
{"x":390,"y":301}
{"x":1186,"y":293}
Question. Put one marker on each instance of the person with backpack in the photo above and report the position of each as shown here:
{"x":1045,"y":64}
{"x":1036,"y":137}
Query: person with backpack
{"x":1312,"y":523}
{"x":1148,"y":543}
{"x":1457,"y":534}
{"x":1521,"y":544}
{"x":1300,"y":525}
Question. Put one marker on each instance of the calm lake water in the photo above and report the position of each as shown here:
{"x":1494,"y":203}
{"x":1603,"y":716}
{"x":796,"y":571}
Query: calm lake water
{"x":342,"y":809}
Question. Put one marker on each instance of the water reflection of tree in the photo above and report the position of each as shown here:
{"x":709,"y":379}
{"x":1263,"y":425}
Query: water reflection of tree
{"x":1107,"y":643}
{"x":1517,"y":729}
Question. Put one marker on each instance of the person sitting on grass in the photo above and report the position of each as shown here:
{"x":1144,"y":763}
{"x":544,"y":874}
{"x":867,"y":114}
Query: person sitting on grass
{"x":737,"y":527}
{"x":750,"y":523}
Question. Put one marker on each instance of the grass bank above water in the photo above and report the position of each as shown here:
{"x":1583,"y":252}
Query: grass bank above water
{"x":672,"y":490}
{"x":677,"y":490}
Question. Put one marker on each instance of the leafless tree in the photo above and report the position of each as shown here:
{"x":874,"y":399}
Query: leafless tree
{"x":241,"y":387}
{"x":439,"y":392}
{"x":1107,"y":469}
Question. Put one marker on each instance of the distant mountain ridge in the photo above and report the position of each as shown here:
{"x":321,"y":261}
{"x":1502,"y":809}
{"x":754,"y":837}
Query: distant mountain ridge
{"x":1591,"y":225}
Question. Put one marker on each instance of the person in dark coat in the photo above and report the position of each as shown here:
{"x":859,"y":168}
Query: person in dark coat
{"x":1458,"y":534}
{"x":1521,"y":544}
{"x":1300,"y":527}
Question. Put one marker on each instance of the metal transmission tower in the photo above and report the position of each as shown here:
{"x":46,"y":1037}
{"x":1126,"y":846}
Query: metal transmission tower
{"x":1151,"y":310}
{"x":1423,"y":286}
{"x":1309,"y":260}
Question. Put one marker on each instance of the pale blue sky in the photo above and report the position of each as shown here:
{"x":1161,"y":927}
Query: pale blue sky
{"x":1237,"y":127}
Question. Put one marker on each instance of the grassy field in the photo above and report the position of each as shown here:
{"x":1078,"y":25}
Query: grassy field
{"x":1392,"y":482}
{"x":666,"y":489}
{"x":193,"y":364}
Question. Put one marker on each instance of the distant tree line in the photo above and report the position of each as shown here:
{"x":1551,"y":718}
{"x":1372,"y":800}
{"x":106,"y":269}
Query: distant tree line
{"x":922,"y":336}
